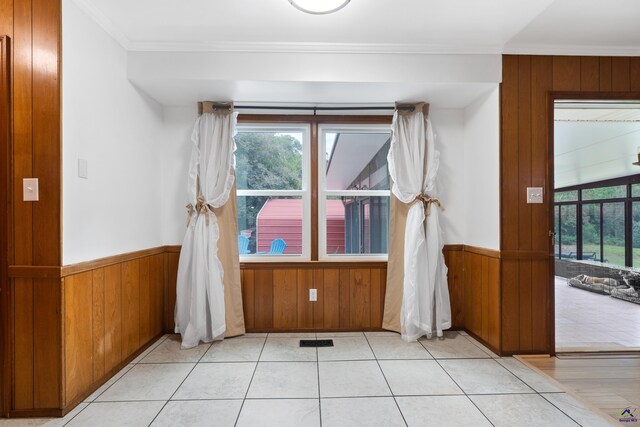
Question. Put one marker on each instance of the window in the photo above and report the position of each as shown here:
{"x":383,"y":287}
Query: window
{"x":607,"y":216}
{"x":272,"y":168}
{"x":601,"y":193}
{"x":613,"y":233}
{"x":353,"y":191}
{"x":591,"y":236}
{"x":566,"y":196}
{"x":282,"y":198}
{"x":635,"y":215}
{"x":568,"y":232}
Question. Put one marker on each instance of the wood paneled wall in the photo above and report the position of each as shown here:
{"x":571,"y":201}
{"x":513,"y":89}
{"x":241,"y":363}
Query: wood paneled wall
{"x":528,"y":87}
{"x":454,"y":260}
{"x":482,"y":295}
{"x":110,"y":313}
{"x":110,"y":309}
{"x":104,"y":313}
{"x":349,"y":298}
{"x":34,"y":27}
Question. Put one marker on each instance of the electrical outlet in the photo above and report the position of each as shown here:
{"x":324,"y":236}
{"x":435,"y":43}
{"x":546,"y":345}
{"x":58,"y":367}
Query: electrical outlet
{"x":313,"y":295}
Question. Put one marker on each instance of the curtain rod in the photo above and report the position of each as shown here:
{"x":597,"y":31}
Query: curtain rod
{"x":367,"y":108}
{"x":222,"y":106}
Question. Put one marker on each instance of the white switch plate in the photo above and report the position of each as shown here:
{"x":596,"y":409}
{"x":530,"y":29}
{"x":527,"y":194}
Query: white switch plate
{"x":83,"y":168}
{"x":534,"y":195}
{"x":30,"y":190}
{"x":313,"y":295}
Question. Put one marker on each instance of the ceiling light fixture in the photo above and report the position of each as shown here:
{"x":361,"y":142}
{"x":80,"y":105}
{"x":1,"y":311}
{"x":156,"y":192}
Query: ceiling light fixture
{"x":319,"y":7}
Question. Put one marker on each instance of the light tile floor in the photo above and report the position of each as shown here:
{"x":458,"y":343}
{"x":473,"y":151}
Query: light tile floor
{"x":590,"y":321}
{"x":367,"y":379}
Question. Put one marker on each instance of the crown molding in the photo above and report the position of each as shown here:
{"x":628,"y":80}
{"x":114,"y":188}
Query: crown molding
{"x":291,"y":47}
{"x":105,"y":23}
{"x":569,"y":50}
{"x":346,"y":48}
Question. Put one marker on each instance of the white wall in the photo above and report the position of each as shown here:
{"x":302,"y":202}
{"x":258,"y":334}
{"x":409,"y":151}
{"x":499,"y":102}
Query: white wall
{"x":108,"y":122}
{"x":481,"y":170}
{"x":448,"y":130}
{"x":178,"y":123}
{"x":138,"y":153}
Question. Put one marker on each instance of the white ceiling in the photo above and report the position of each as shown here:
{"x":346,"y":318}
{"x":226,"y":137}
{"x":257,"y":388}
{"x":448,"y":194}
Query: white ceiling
{"x":594,"y":150}
{"x":428,"y":26}
{"x":372,"y":51}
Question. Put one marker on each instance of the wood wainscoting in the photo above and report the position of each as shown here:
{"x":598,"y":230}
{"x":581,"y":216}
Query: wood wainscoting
{"x":529,"y":85}
{"x":351,"y":295}
{"x":72,"y":332}
{"x":110,"y":314}
{"x":482,"y":295}
{"x":102,"y":313}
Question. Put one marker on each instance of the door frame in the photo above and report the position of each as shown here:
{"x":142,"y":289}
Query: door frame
{"x":6,"y":232}
{"x":552,"y":96}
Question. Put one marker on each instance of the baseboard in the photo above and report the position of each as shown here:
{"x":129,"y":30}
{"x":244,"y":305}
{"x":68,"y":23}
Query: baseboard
{"x":106,"y":377}
{"x":36,"y":413}
{"x":483,"y":342}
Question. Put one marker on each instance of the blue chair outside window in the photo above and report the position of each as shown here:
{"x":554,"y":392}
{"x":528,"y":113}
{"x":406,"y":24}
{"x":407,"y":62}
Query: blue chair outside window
{"x":277,"y":247}
{"x":243,"y":245}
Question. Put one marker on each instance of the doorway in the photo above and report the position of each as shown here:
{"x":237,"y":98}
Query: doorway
{"x":596,"y":216}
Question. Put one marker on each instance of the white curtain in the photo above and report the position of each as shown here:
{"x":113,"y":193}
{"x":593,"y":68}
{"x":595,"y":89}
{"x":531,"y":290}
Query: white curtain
{"x":200,"y":314}
{"x":413,"y":165}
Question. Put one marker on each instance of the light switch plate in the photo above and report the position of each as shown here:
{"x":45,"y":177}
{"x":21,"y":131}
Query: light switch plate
{"x":313,"y":295}
{"x":83,"y":168}
{"x":534,"y":195}
{"x":30,"y":190}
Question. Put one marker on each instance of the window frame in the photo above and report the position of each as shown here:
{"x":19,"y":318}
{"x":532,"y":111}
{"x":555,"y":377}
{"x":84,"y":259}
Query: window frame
{"x":304,"y":192}
{"x":628,"y":182}
{"x":324,"y":193}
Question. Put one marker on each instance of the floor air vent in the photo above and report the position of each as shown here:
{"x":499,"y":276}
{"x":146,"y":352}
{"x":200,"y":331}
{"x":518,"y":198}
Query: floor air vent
{"x":316,"y":343}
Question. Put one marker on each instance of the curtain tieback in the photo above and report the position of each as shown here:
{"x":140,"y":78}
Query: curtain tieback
{"x":427,"y":201}
{"x":201,"y":208}
{"x":204,"y":208}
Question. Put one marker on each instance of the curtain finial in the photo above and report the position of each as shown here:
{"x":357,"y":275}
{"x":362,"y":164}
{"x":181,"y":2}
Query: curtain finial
{"x":214,"y":107}
{"x":409,"y":108}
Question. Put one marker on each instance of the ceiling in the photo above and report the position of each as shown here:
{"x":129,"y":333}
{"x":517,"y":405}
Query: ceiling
{"x":595,"y":144}
{"x":428,"y":26}
{"x":372,"y":51}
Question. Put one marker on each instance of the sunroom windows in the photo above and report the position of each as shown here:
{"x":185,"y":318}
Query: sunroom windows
{"x":599,"y":222}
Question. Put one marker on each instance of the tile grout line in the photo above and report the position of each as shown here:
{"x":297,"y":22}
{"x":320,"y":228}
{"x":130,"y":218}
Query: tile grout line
{"x":153,"y":346}
{"x":246,"y":393}
{"x":559,"y":409}
{"x":458,"y":385}
{"x":180,"y":385}
{"x":386,"y":381}
{"x":318,"y":371}
{"x":536,"y":391}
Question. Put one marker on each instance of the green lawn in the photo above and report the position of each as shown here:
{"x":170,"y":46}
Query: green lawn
{"x":613,"y":254}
